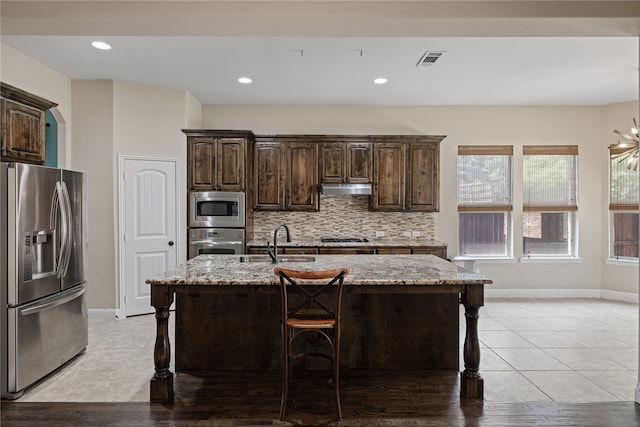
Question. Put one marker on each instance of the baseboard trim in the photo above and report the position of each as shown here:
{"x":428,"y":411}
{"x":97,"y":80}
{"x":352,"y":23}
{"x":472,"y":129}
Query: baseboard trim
{"x":543,"y":293}
{"x":102,"y":313}
{"x":620,"y":296}
{"x":562,"y":293}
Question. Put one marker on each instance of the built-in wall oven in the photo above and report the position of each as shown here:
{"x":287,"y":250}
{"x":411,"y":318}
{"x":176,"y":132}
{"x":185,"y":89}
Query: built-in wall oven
{"x":216,"y":223}
{"x":215,"y":241}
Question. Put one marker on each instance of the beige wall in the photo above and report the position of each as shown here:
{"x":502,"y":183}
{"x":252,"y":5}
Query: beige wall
{"x":512,"y":125}
{"x":92,"y":132}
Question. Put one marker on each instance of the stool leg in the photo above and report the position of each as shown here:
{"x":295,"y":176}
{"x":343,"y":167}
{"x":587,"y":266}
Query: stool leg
{"x":336,"y":373}
{"x":285,"y":372}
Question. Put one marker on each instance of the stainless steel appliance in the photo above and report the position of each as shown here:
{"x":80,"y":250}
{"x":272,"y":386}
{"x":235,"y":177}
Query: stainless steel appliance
{"x":217,"y":220}
{"x":215,"y":241}
{"x":217,"y":209}
{"x":44,"y":320}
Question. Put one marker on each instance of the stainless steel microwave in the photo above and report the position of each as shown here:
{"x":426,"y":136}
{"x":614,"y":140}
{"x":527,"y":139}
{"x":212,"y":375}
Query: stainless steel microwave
{"x":224,"y":209}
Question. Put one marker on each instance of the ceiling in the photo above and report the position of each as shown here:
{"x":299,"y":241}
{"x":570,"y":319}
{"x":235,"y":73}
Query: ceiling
{"x":322,"y":52}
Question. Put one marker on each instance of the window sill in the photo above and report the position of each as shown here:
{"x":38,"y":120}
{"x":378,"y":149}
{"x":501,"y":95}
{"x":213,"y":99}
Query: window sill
{"x":484,"y":260}
{"x":624,"y":262}
{"x":550,"y":260}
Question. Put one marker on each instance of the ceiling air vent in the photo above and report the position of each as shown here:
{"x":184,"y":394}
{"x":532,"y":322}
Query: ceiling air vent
{"x":429,"y":58}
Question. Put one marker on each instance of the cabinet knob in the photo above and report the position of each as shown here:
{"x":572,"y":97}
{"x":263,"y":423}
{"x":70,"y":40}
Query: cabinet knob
{"x":170,"y":242}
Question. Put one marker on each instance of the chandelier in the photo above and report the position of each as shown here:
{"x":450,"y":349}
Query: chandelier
{"x":627,"y":147}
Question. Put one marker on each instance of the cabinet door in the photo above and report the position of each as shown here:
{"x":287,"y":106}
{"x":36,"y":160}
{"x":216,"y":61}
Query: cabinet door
{"x":393,"y":251}
{"x":346,"y":251}
{"x":22,"y":133}
{"x":358,"y":163}
{"x":230,"y":164}
{"x":268,"y":182}
{"x":202,"y":163}
{"x":439,"y":251}
{"x":302,"y":182}
{"x":422,"y":177}
{"x":300,"y":250}
{"x":388,"y":193}
{"x":332,"y":162}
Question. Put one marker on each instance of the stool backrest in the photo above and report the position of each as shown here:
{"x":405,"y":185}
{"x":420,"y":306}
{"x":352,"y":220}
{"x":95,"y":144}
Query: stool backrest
{"x":308,"y":299}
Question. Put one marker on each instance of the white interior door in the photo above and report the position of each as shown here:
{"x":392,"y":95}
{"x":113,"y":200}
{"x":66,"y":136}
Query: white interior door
{"x":150,"y":239}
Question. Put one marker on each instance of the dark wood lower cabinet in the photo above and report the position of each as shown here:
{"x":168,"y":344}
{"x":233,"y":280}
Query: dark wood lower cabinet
{"x":242,"y":331}
{"x":439,"y":251}
{"x":393,"y":251}
{"x":300,"y":250}
{"x":346,"y":251}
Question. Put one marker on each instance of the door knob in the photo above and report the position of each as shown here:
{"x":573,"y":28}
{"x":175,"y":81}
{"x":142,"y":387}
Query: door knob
{"x":170,"y":242}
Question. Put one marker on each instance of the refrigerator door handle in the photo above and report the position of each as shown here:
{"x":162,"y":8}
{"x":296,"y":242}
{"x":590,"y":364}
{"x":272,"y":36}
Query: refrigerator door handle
{"x":59,"y":209}
{"x":55,"y":301}
{"x":68,"y":237}
{"x":53,"y":222}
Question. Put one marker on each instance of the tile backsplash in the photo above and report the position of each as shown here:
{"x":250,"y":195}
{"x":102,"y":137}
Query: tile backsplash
{"x":347,"y":216}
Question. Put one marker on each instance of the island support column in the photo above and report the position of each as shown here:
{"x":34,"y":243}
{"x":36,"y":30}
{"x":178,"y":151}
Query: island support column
{"x":161,"y":386}
{"x":471,"y":383}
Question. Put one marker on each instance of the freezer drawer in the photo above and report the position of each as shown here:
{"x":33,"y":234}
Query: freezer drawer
{"x":44,"y":335}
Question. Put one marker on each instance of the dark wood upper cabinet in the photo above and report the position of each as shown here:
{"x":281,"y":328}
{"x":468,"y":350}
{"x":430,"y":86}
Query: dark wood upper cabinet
{"x":406,"y":174}
{"x":345,"y":162}
{"x":285,"y":174}
{"x":302,"y":179}
{"x":422,"y":177}
{"x":332,"y":162}
{"x":268,"y":176}
{"x":217,"y":159}
{"x":388,"y":177}
{"x":359,"y":162}
{"x":23,"y":125}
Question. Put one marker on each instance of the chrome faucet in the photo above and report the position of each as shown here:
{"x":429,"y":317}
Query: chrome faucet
{"x":273,"y":250}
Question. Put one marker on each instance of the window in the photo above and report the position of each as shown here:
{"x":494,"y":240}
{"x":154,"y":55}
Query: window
{"x":549,"y":218}
{"x":484,"y":200}
{"x":623,"y":208}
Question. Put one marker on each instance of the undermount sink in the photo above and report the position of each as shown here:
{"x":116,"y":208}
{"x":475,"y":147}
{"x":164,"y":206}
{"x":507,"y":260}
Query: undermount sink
{"x":283,"y":258}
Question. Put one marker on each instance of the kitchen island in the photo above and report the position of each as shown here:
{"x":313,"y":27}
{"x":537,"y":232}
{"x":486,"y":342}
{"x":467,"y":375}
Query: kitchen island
{"x":399,"y":312}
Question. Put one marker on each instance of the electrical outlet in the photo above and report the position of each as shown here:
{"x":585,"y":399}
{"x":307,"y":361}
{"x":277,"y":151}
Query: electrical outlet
{"x":415,"y":234}
{"x":379,"y":233}
{"x":407,"y":234}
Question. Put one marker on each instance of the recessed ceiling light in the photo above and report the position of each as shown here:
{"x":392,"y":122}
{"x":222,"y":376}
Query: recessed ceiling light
{"x":380,"y":81}
{"x":245,"y":80}
{"x":101,"y":45}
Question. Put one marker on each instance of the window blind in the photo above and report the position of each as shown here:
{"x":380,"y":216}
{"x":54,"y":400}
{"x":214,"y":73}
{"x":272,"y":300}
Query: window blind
{"x":550,"y":178}
{"x":484,"y":178}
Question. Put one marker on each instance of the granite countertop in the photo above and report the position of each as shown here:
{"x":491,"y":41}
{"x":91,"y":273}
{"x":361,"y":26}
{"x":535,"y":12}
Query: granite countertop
{"x":374,"y":242}
{"x":365,"y":270}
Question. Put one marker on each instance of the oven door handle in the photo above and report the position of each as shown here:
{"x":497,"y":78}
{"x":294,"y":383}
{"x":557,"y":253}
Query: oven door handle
{"x":210,"y":243}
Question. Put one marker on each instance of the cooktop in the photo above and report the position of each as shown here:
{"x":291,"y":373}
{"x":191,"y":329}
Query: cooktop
{"x":343,"y":240}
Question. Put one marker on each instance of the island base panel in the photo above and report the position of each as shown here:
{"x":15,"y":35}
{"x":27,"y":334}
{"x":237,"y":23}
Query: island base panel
{"x":380,"y":331}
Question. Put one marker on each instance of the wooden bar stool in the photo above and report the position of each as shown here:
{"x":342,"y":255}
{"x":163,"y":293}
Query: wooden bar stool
{"x":310,"y":309}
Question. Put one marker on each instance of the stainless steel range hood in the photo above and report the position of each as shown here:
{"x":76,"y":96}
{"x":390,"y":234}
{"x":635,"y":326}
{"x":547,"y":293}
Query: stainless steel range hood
{"x":346,"y":189}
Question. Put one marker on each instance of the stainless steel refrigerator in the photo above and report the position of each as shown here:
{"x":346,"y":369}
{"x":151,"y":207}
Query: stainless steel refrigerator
{"x":44,"y":320}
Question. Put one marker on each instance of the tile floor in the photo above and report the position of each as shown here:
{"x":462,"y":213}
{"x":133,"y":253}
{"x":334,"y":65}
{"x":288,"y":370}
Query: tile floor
{"x":569,"y":350}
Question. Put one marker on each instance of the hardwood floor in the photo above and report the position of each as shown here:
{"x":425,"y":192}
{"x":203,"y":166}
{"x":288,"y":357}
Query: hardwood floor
{"x":369,"y":398}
